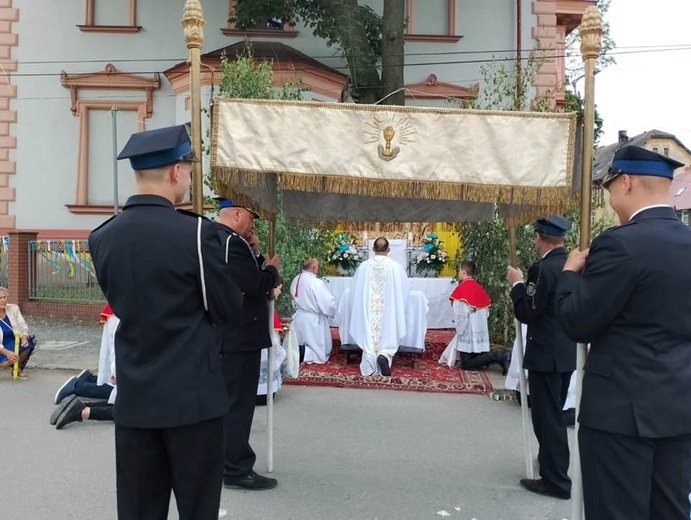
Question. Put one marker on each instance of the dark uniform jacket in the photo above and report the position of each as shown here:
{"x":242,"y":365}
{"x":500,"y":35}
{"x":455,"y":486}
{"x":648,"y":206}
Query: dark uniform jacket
{"x":167,"y":349}
{"x":548,"y":348}
{"x":250,"y":329}
{"x":632,"y":303}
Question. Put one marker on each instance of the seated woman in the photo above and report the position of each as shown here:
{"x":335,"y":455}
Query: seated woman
{"x":11,"y":323}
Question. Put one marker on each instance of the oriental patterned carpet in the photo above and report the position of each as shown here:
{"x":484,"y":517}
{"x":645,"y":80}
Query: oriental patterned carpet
{"x":429,"y":376}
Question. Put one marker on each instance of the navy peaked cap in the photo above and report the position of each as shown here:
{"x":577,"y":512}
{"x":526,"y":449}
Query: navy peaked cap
{"x":634,"y":160}
{"x":227,"y":203}
{"x":158,"y":148}
{"x":556,"y":225}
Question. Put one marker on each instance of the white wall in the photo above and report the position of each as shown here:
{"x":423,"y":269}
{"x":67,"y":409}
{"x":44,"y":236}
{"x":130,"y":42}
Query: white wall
{"x":49,"y":42}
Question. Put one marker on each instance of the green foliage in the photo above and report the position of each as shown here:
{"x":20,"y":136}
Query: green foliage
{"x":355,"y":30}
{"x":486,"y":243}
{"x":246,"y":78}
{"x":294,"y":243}
{"x":320,"y":18}
{"x":575,"y":104}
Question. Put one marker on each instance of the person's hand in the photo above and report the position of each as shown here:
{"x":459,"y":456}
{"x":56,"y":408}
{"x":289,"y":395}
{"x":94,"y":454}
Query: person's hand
{"x":24,"y":342}
{"x":253,"y":241}
{"x":11,"y":356}
{"x":576,"y":260}
{"x":276,"y":291}
{"x":273,"y":260}
{"x":113,"y":381}
{"x":513,"y":275}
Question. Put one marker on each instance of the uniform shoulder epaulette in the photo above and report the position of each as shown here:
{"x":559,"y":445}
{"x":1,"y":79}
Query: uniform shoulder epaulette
{"x":189,"y":213}
{"x":104,"y":223}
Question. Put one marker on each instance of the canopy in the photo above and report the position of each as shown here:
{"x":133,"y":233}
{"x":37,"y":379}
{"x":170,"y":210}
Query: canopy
{"x":369,"y":163}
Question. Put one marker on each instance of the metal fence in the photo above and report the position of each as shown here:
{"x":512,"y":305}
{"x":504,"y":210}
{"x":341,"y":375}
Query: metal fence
{"x":4,"y":261}
{"x":62,"y":270}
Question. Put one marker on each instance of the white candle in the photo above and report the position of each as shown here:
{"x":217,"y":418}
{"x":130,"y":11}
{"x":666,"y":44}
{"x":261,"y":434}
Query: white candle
{"x":364,"y":238}
{"x":410,"y":238}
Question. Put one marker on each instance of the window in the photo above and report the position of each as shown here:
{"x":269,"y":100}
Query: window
{"x":666,"y":151}
{"x":272,"y":27}
{"x":655,"y":149}
{"x":114,"y":16}
{"x":431,"y":21}
{"x":94,"y":179}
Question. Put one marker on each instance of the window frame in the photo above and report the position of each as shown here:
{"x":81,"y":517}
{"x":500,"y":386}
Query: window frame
{"x":112,"y":80}
{"x":449,"y":37}
{"x":90,"y":26}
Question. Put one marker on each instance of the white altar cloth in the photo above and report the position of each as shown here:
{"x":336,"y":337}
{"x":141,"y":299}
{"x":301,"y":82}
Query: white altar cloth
{"x":437,"y":291}
{"x":415,"y":316}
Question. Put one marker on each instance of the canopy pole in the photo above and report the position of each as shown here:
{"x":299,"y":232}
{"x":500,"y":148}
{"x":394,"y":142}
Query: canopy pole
{"x":193,"y":24}
{"x":522,"y":383}
{"x":591,"y":45}
{"x":270,"y":365}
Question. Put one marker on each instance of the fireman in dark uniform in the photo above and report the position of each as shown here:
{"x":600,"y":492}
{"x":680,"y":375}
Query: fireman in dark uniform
{"x":244,"y":339}
{"x":550,"y":355}
{"x":162,"y":271}
{"x":629,"y":296}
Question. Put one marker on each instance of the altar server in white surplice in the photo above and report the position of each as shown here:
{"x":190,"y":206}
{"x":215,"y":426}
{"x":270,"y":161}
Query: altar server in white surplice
{"x":314,"y":305}
{"x":380,"y":292}
{"x":471,"y":305}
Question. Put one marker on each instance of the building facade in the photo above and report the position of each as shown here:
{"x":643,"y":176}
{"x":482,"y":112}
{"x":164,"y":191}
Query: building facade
{"x":81,"y":76}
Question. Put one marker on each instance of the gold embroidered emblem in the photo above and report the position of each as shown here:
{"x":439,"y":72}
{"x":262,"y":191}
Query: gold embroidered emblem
{"x":390,"y":127}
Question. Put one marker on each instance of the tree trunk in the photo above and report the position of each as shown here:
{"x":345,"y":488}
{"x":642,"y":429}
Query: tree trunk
{"x":392,"y":52}
{"x":352,"y":37}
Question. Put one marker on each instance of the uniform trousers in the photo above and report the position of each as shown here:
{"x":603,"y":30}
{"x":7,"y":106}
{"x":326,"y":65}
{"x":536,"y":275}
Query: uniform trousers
{"x":152,"y":462}
{"x":241,"y":372}
{"x":634,"y":478}
{"x":548,"y":392}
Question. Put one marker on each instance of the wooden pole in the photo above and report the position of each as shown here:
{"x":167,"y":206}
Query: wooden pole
{"x":193,"y":24}
{"x":522,"y":383}
{"x":591,"y":45}
{"x":270,"y":364}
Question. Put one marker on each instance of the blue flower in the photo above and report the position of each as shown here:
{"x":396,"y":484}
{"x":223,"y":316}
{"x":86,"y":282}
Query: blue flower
{"x":344,"y":248}
{"x":432,"y":236}
{"x":427,"y":248}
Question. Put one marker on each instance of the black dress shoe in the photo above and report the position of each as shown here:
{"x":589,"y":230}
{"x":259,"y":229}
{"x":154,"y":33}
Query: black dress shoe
{"x":383,"y":365}
{"x":60,"y":409}
{"x":72,"y":413}
{"x":538,"y":486}
{"x":252,"y":482}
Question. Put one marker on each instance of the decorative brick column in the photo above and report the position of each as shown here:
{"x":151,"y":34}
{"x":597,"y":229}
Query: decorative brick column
{"x":545,"y":34}
{"x":19,"y":266}
{"x":8,"y":40}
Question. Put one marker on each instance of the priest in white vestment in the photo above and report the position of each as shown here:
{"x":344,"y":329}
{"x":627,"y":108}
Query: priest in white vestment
{"x":379,"y":296}
{"x":471,"y":305}
{"x":314,"y":305}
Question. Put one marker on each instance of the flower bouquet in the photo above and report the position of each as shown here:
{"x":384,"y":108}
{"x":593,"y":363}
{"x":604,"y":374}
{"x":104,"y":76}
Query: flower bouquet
{"x":344,"y":255}
{"x":432,"y":258}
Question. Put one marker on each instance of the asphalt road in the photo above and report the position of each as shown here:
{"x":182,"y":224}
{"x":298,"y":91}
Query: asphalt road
{"x":340,"y":454}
